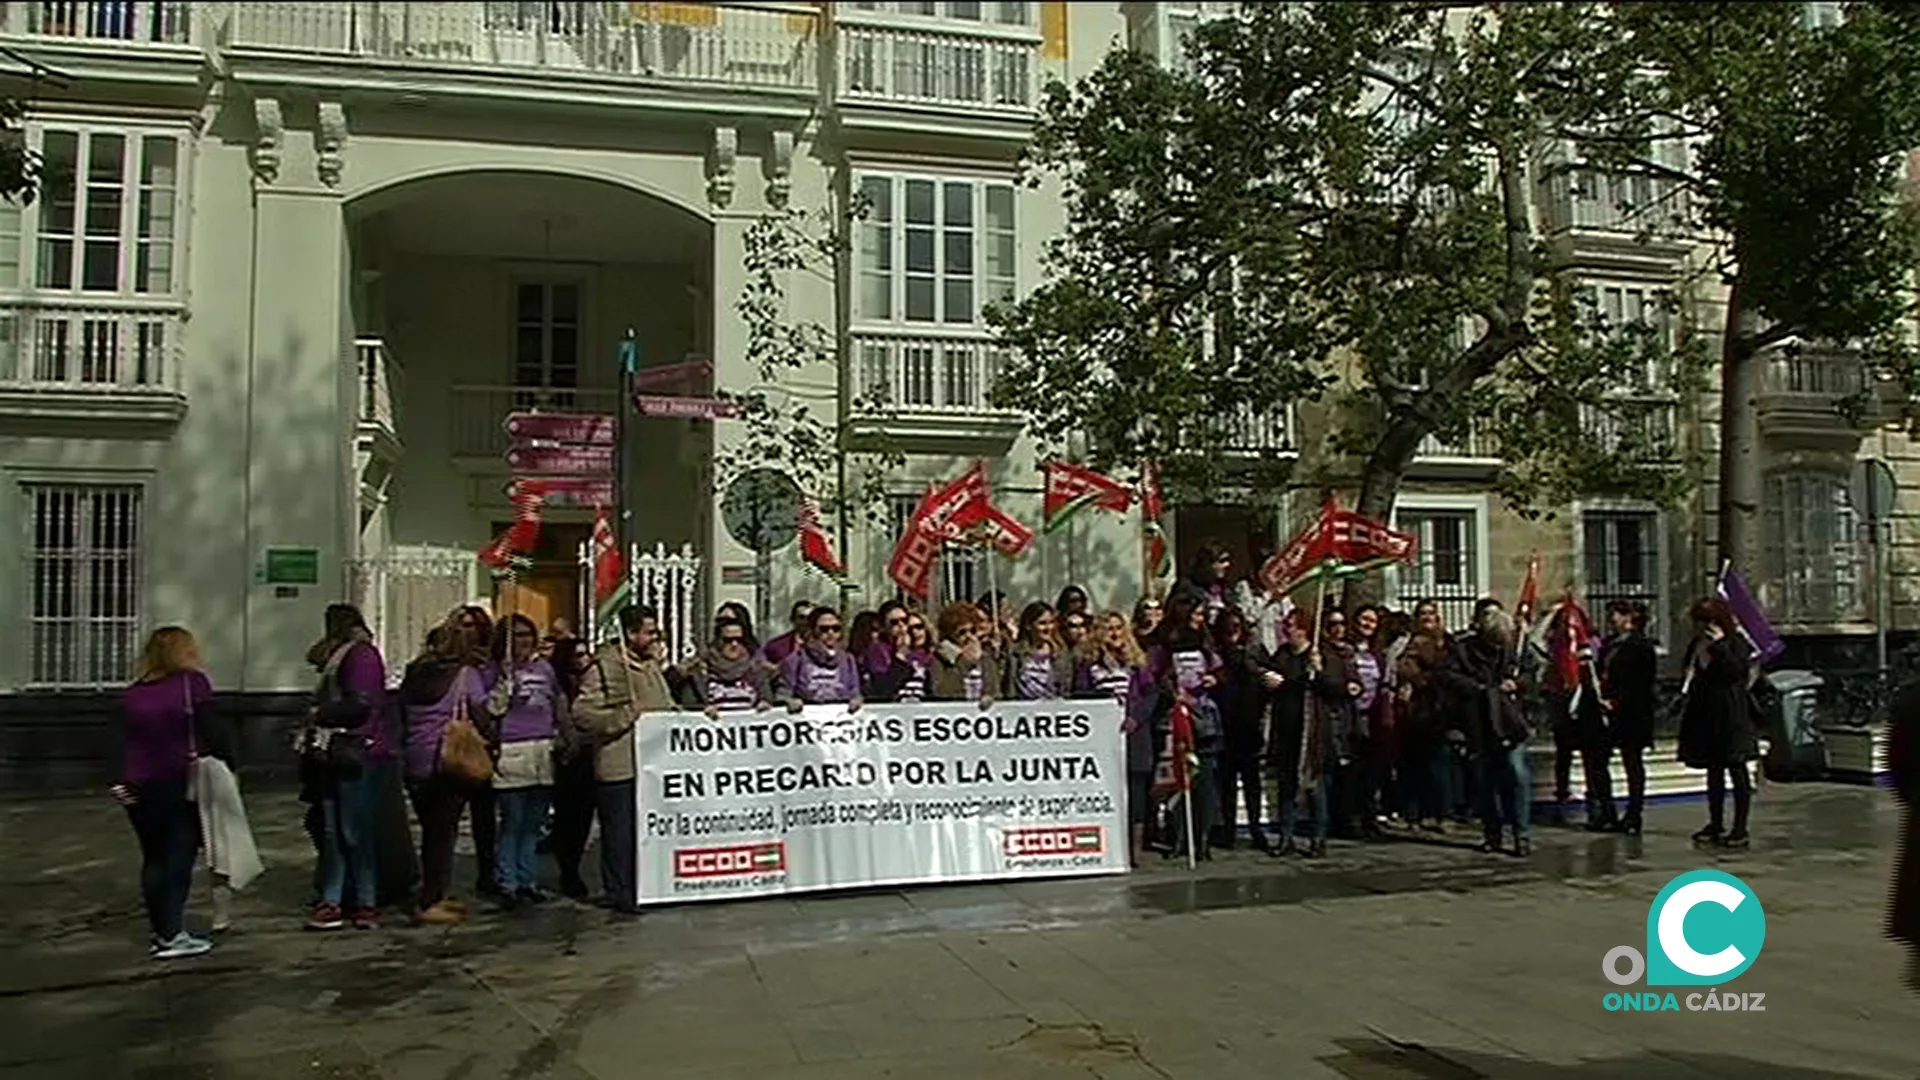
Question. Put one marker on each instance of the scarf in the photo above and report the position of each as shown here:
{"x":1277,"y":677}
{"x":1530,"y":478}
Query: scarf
{"x":823,"y":656}
{"x":721,"y":669}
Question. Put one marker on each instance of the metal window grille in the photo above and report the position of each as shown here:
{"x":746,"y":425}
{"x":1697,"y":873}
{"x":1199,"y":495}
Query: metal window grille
{"x":87,"y":580}
{"x":1446,"y":565}
{"x":1815,"y":547}
{"x":1621,"y":555}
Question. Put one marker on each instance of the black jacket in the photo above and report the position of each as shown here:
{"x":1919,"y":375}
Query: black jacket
{"x":1629,"y":676}
{"x":1716,"y":727}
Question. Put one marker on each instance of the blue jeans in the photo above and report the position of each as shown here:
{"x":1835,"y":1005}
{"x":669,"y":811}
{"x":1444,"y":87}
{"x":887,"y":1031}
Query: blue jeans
{"x":347,"y":842}
{"x":523,"y":811}
{"x":168,"y":828}
{"x":1506,"y":792}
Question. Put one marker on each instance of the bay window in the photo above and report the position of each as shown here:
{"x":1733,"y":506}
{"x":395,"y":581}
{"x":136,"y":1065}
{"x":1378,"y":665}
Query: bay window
{"x":106,"y":221}
{"x":935,"y":250}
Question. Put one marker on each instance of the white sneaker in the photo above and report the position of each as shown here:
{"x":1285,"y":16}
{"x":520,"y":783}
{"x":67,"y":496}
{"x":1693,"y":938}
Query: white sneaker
{"x":182,"y":945}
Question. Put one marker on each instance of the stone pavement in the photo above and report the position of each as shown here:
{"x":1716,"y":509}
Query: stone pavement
{"x":1390,"y":961}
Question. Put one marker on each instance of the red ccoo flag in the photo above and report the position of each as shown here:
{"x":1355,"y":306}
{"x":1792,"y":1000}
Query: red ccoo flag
{"x":1529,"y":601}
{"x":814,"y":545}
{"x":609,"y":577}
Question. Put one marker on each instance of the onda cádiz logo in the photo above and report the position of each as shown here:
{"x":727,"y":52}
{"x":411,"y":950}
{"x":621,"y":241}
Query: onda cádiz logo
{"x":1703,"y":930}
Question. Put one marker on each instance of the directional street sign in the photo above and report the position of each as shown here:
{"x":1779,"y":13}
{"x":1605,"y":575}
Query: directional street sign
{"x":581,"y":428}
{"x":684,"y":408}
{"x":561,"y":460}
{"x":672,"y":374}
{"x":568,"y":490}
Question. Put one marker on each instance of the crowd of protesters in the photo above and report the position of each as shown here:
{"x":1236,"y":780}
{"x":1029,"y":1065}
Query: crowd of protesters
{"x":1353,"y":722}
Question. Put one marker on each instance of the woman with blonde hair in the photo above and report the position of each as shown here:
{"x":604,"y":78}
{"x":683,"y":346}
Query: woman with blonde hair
{"x":1111,"y":662}
{"x":158,"y":714}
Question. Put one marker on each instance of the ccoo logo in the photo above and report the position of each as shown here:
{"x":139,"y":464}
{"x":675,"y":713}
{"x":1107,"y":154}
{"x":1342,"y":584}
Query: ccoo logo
{"x":1705,"y":927}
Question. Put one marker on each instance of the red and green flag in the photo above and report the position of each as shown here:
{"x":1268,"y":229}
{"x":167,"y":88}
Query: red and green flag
{"x":1073,"y":488}
{"x":1341,"y":544}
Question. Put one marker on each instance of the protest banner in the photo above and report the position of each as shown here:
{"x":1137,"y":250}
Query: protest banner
{"x":770,"y":803}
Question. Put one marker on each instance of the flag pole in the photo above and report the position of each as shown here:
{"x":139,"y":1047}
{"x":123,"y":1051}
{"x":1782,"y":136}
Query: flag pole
{"x":1186,"y":800}
{"x":1306,"y":729}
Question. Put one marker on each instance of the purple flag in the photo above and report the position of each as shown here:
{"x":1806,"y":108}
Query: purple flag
{"x":1746,"y":611}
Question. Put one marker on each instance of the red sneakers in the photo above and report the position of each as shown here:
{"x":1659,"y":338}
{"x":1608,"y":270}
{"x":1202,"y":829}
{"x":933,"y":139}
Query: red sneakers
{"x":325,"y":917}
{"x":366,"y":918}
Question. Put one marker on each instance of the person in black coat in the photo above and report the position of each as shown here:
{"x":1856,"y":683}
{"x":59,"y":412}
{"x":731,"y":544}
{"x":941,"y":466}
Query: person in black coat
{"x":1486,"y":677}
{"x":1716,"y":728}
{"x":1242,"y":700}
{"x":1629,"y":672}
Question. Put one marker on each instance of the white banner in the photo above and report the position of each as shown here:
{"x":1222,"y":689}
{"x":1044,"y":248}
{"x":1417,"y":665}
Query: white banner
{"x":759,"y":804}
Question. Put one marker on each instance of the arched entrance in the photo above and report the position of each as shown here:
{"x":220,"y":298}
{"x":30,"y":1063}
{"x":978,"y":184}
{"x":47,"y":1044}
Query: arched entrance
{"x":481,"y":293}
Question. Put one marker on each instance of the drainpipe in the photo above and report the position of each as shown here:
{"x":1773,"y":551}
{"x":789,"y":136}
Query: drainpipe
{"x":840,"y":197}
{"x":247,"y":584}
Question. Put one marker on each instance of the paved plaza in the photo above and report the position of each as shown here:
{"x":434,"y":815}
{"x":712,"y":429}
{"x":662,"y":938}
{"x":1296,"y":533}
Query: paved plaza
{"x":1392,"y":961}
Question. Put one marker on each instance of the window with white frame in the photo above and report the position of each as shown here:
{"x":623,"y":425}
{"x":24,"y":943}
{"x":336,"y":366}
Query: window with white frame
{"x":1447,"y":557}
{"x":935,"y":250}
{"x":106,"y":220}
{"x":1814,"y":549}
{"x":1620,"y":557}
{"x":961,"y":572}
{"x":86,"y":579}
{"x":1622,"y":308}
{"x":547,"y":318}
{"x":1004,"y":13}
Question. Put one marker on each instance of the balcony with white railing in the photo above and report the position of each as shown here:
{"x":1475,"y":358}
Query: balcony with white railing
{"x":115,"y":23}
{"x":1642,"y":431}
{"x":928,"y":390}
{"x":1246,"y":431}
{"x":768,"y":46}
{"x":376,"y":412}
{"x":90,"y":361}
{"x":938,"y":65}
{"x":1815,"y":397}
{"x":1478,"y":448}
{"x":479,"y":414}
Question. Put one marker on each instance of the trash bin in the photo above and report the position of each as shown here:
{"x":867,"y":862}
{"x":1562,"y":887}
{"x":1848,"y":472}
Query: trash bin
{"x":1791,"y":703}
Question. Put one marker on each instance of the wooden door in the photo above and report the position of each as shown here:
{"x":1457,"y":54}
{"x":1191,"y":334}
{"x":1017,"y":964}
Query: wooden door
{"x":542,"y":594}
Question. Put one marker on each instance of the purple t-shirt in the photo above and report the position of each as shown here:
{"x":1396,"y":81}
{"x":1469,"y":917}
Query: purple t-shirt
{"x":529,"y":715}
{"x":1035,"y":681}
{"x":821,"y":684}
{"x":364,"y":673}
{"x":160,"y":727}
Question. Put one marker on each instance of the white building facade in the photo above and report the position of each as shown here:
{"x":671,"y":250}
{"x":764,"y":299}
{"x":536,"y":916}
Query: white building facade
{"x":292,"y":264}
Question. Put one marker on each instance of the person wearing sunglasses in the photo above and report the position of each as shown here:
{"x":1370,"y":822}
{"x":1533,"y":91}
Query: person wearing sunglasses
{"x":821,"y":671}
{"x":893,"y":670}
{"x":725,"y":678}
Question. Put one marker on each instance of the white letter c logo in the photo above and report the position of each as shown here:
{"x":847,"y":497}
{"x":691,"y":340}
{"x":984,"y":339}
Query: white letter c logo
{"x":1673,"y":933}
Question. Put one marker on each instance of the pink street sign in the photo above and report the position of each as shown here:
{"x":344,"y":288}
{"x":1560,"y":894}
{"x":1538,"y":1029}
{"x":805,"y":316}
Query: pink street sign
{"x":568,"y":490}
{"x":652,"y":378}
{"x":684,"y":408}
{"x":582,"y":428}
{"x":561,"y":460}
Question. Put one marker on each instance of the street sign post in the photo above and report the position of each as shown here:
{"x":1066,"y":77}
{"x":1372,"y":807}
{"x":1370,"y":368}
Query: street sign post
{"x":672,"y":375}
{"x":1874,"y":491}
{"x":578,"y":491}
{"x":563,"y":460}
{"x":662,"y":407}
{"x":585,"y":429}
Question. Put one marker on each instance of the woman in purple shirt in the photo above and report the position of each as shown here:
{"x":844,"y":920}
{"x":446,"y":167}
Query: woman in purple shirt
{"x":525,"y":697}
{"x":821,"y":671}
{"x":893,"y":670}
{"x":1039,"y":667}
{"x":159,"y":712}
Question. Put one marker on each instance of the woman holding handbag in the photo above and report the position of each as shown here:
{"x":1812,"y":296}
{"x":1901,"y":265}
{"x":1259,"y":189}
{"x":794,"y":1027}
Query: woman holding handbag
{"x":442,"y":703}
{"x":341,"y":733}
{"x":157,"y":711}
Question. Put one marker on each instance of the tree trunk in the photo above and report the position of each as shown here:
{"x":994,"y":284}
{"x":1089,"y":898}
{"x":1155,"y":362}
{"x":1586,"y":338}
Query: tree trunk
{"x":1739,"y":502}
